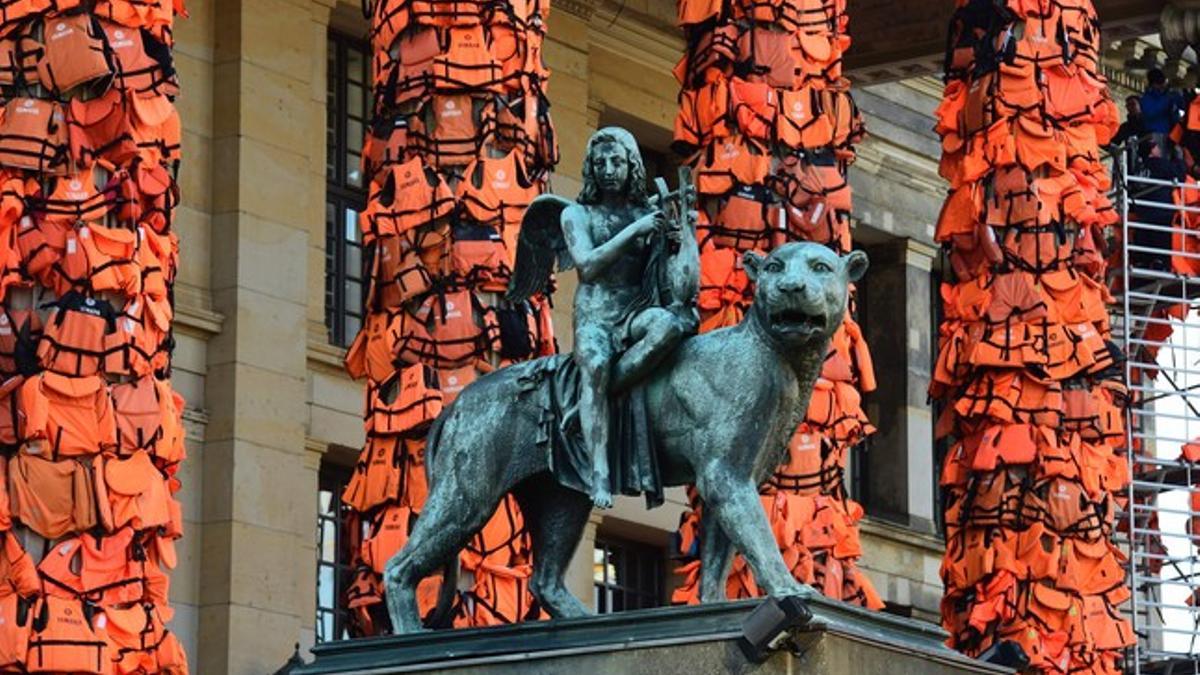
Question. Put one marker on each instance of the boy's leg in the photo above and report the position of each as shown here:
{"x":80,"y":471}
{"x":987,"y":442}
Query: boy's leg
{"x":594,"y":355}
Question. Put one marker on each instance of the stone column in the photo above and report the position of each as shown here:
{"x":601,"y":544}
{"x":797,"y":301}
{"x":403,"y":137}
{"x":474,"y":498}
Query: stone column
{"x":257,"y":591}
{"x":900,"y":471}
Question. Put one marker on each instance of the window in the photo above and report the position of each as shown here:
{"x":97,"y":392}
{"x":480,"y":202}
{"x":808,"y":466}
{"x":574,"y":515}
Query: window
{"x":333,"y":554}
{"x":626,"y":575}
{"x":348,"y":104}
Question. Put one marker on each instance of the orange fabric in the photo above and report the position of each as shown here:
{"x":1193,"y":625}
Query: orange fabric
{"x":75,"y":52}
{"x":139,"y":411}
{"x":67,"y":636}
{"x":131,"y":491}
{"x":51,"y":498}
{"x":407,"y":401}
{"x":101,"y":570}
{"x":496,"y":191}
{"x":61,"y":416}
{"x":404,"y":197}
{"x":728,"y":163}
{"x":33,"y":136}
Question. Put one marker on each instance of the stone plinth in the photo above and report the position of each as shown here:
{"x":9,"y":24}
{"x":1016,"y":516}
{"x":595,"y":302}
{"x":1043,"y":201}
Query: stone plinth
{"x":672,"y":641}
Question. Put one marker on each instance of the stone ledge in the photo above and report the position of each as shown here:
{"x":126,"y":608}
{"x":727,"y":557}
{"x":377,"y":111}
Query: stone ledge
{"x":686,"y":640}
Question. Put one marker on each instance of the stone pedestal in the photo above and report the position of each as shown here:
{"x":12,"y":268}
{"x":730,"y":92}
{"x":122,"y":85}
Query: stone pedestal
{"x":700,"y":640}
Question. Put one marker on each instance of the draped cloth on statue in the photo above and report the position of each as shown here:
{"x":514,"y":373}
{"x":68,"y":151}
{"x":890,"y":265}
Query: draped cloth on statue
{"x":553,"y":383}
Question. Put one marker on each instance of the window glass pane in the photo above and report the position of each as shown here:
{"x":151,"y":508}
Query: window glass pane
{"x":354,"y":265}
{"x":356,"y":65}
{"x":356,"y":102}
{"x":348,"y":108}
{"x":354,"y":177}
{"x":354,"y":295}
{"x":325,"y":587}
{"x":352,"y":326}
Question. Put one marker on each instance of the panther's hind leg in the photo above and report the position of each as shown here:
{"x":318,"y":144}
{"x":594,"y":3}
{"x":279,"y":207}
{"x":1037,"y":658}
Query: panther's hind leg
{"x":555,"y":517}
{"x":446,"y":523}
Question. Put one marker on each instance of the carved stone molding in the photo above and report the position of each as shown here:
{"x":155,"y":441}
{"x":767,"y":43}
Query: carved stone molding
{"x":580,"y":8}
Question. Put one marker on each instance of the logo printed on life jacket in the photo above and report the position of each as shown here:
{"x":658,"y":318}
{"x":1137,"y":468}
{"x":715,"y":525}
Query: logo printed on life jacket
{"x":451,"y":110}
{"x":729,"y":151}
{"x":798,"y":109}
{"x":451,"y":311}
{"x":500,"y":180}
{"x":119,"y":41}
{"x":28,"y":107}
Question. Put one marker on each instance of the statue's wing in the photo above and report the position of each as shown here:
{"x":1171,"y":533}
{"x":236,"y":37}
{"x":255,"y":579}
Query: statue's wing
{"x":539,"y":245}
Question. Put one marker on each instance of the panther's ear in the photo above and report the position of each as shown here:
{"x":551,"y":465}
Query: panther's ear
{"x":752,"y":261}
{"x":855,"y":264}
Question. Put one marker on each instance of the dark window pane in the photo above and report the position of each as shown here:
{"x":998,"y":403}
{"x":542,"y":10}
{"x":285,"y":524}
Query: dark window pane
{"x":346,"y":109}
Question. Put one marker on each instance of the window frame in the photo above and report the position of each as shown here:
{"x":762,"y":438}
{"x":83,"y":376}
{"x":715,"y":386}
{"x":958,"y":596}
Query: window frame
{"x":342,"y":196}
{"x":332,"y":478}
{"x":605,"y":589}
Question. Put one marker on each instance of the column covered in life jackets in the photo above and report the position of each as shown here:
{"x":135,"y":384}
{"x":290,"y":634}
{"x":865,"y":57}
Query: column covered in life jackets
{"x":767,"y":121}
{"x":1030,"y":382}
{"x":91,"y":430}
{"x":460,"y":143}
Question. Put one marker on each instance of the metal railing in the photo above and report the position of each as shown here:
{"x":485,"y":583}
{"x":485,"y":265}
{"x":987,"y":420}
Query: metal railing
{"x":1162,"y":374}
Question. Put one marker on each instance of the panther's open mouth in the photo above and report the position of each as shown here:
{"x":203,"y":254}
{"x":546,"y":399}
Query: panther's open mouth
{"x":796,"y":320}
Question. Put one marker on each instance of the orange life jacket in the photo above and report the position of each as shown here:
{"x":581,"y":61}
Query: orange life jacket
{"x":102,"y":127}
{"x":702,"y":115}
{"x":447,"y":331}
{"x":51,"y":498}
{"x":33,"y":136}
{"x":20,"y":576}
{"x":67,"y":636}
{"x":15,"y":623}
{"x":373,"y":351}
{"x":157,"y":129}
{"x":139,"y":410}
{"x":745,"y":221}
{"x":478,"y":258}
{"x":131,"y":491}
{"x":377,"y":476}
{"x":754,"y":107}
{"x":20,"y":54}
{"x":409,"y":400}
{"x":143,"y":63}
{"x":496,"y":192}
{"x":139,"y":643}
{"x":75,"y":52}
{"x":452,"y":381}
{"x":728,"y":162}
{"x":60,"y":416}
{"x":404,"y":197}
{"x":74,"y":198}
{"x":467,"y":64}
{"x":802,"y":122}
{"x":102,"y":570}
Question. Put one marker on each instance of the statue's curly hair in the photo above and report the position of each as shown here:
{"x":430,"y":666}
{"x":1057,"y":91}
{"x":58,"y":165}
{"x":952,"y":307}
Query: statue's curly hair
{"x":638,"y":193}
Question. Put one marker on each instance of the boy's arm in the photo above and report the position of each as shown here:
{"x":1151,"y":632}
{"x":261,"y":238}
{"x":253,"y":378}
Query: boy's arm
{"x":590,"y":260}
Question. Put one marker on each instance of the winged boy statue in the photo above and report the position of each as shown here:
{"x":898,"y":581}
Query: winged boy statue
{"x":638,"y":266}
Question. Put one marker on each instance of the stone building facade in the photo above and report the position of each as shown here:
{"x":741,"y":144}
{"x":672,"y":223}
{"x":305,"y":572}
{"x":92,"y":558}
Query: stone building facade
{"x":272,"y":417}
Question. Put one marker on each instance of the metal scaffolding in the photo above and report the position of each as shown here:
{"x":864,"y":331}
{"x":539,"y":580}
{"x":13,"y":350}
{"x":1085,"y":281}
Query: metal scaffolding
{"x":1154,"y":323}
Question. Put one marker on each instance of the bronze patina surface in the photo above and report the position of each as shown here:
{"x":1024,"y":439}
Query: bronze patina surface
{"x":717,"y":410}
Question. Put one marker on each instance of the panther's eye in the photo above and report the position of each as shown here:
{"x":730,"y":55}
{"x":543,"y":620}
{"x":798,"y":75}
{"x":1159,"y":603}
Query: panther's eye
{"x":774,"y":266}
{"x":822,"y":267}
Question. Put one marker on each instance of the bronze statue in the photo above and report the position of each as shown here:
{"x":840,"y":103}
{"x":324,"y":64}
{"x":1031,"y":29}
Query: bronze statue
{"x":627,"y":314}
{"x":715,"y":410}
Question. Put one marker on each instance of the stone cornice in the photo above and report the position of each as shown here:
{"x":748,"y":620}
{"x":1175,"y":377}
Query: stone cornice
{"x":580,"y":8}
{"x":628,"y":35}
